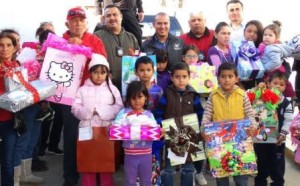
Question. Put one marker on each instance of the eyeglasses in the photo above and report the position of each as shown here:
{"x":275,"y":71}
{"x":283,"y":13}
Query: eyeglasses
{"x":191,"y":56}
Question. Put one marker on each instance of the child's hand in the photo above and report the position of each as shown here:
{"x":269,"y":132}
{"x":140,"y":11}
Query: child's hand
{"x":204,"y":136}
{"x":261,"y":85}
{"x":280,"y":139}
{"x":251,"y":131}
{"x":162,"y":132}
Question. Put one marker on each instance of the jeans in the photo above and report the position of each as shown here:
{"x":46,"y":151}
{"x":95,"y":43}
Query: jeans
{"x":70,"y":141}
{"x":186,"y":176}
{"x":9,"y":138}
{"x":27,"y":141}
{"x":239,"y":181}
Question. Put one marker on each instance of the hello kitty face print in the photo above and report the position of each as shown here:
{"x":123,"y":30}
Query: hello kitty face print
{"x":65,"y":69}
{"x":62,"y":74}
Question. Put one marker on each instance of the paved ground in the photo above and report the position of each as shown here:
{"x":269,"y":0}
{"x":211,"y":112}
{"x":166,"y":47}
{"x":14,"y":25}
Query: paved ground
{"x":53,"y":177}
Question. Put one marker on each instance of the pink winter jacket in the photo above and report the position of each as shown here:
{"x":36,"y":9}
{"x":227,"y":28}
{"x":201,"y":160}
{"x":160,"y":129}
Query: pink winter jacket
{"x":90,"y":97}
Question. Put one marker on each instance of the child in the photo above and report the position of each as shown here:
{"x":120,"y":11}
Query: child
{"x":179,"y":99}
{"x":144,"y":69}
{"x":138,"y":155}
{"x":96,"y":104}
{"x":163,"y":73}
{"x":271,"y":35}
{"x":220,"y":51}
{"x":270,"y":157}
{"x":190,"y":55}
{"x":220,"y":104}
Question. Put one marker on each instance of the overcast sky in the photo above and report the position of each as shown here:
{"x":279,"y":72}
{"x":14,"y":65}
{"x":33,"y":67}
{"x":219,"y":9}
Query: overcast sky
{"x":25,"y":15}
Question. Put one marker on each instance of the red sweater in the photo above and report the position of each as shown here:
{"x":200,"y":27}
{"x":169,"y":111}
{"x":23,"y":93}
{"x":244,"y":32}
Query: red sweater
{"x":92,"y":41}
{"x":4,"y":114}
{"x":203,"y":43}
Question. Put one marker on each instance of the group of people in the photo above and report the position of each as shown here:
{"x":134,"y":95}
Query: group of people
{"x":98,"y":102}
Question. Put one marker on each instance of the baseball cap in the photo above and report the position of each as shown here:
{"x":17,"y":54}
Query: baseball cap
{"x":98,"y":59}
{"x":76,"y":12}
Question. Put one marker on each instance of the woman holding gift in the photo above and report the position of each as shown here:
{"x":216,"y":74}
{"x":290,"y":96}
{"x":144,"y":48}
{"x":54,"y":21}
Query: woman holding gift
{"x":138,"y":154}
{"x":8,"y":47}
{"x":94,"y":111}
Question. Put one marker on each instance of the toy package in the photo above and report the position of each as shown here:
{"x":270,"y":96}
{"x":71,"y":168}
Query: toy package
{"x":264,"y":102}
{"x":228,"y":149}
{"x":295,"y":134}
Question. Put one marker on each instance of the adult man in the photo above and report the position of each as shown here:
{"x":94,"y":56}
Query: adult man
{"x":133,"y":13}
{"x":118,"y":42}
{"x":235,"y":15}
{"x":163,"y":39}
{"x":77,"y":34}
{"x":199,"y":35}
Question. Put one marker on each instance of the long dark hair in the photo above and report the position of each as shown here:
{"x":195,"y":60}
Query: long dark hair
{"x":259,"y":28}
{"x":219,"y":26}
{"x":13,"y":40}
{"x":105,"y":69}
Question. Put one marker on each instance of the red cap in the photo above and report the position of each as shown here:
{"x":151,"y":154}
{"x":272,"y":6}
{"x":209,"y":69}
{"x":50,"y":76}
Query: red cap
{"x":76,"y":12}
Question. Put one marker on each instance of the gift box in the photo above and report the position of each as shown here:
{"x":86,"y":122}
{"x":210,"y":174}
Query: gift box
{"x":12,"y":78}
{"x":203,"y":78}
{"x":23,"y":97}
{"x":249,"y":65}
{"x":229,"y":150}
{"x":232,"y":159}
{"x":264,"y":103}
{"x":130,"y":132}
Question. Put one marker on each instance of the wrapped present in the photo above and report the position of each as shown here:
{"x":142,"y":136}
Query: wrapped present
{"x":13,"y":78}
{"x":183,"y":142}
{"x":63,"y":64}
{"x":23,"y":97}
{"x":128,"y":71}
{"x":134,"y":132}
{"x":203,"y":78}
{"x":249,"y":65}
{"x":264,"y":103}
{"x":228,"y":149}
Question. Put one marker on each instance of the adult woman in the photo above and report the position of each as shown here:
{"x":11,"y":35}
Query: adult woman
{"x":8,"y":47}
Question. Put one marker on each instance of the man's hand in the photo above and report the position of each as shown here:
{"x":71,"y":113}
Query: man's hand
{"x":140,"y":16}
{"x":162,"y":132}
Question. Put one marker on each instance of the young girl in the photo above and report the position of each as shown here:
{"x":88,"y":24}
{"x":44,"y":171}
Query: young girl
{"x":138,"y":154}
{"x":271,"y":35}
{"x":96,"y":104}
{"x":220,"y":51}
{"x":254,"y":32}
{"x":190,"y":55}
{"x":163,"y":72}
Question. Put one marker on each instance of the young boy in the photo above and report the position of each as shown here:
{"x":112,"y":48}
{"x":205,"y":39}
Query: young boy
{"x":163,"y":73}
{"x":270,"y":157}
{"x":179,"y":99}
{"x":228,"y":102}
{"x":144,"y":69}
